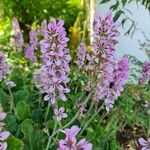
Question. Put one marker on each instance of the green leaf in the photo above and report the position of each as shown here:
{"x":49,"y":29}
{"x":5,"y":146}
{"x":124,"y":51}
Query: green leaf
{"x":115,"y":6}
{"x":117,"y":15}
{"x":124,"y":2}
{"x":104,"y":1}
{"x":23,"y":110}
{"x":14,"y":143}
{"x":4,"y":99}
{"x":37,"y":115}
{"x":21,"y":95}
{"x":33,"y":139}
{"x":27,"y":127}
{"x":11,"y":123}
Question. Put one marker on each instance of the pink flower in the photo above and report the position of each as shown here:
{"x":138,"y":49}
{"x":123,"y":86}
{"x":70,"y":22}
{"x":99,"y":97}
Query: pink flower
{"x":18,"y":42}
{"x":43,"y":28}
{"x":59,"y":113}
{"x":144,"y":143}
{"x":145,"y":75}
{"x":53,"y":77}
{"x":4,"y":135}
{"x":68,"y":144}
{"x":81,"y":54}
{"x":4,"y":68}
{"x":70,"y":141}
{"x":30,"y":48}
{"x":84,"y":145}
{"x":3,"y":146}
{"x":2,"y":115}
{"x":72,"y":132}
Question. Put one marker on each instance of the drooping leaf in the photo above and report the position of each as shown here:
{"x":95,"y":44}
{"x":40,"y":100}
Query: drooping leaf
{"x":124,"y":2}
{"x":104,"y":1}
{"x":115,"y":6}
{"x":117,"y":15}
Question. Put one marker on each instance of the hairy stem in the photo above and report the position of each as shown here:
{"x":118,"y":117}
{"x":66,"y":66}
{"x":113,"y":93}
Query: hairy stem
{"x":50,"y":137}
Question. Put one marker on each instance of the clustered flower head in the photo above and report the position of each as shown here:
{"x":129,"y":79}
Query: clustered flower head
{"x":145,"y":75}
{"x":70,"y":141}
{"x":110,"y":73}
{"x":53,"y":75}
{"x":18,"y":37}
{"x":81,"y":54}
{"x":120,"y":76}
{"x":105,"y":33}
{"x":144,"y":143}
{"x":4,"y":68}
{"x":33,"y":43}
{"x":3,"y":133}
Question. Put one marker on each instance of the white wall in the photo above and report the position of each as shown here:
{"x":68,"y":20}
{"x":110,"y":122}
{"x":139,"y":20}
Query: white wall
{"x":128,"y":45}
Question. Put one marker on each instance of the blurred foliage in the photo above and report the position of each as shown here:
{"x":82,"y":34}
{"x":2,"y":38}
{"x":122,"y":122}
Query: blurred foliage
{"x":31,"y":12}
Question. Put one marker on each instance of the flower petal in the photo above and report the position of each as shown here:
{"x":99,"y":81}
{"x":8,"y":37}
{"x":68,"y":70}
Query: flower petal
{"x":143,"y":142}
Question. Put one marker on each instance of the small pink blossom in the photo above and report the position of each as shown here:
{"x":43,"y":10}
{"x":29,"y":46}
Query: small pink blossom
{"x":4,"y":135}
{"x":59,"y":113}
{"x":2,"y":115}
{"x":70,"y":141}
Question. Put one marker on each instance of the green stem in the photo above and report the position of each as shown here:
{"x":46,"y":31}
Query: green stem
{"x":39,"y":100}
{"x":89,"y":121}
{"x":50,"y":137}
{"x":74,"y":118}
{"x":48,"y":108}
{"x":12,"y":107}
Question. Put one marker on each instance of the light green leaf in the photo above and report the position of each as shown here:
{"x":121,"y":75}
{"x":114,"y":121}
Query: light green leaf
{"x":14,"y":143}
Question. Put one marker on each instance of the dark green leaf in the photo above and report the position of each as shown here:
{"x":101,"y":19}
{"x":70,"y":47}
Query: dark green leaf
{"x":117,"y":15}
{"x":21,"y":95}
{"x":11,"y":123}
{"x":4,"y":100}
{"x":124,"y":2}
{"x":23,"y":110}
{"x":115,"y":6}
{"x":104,"y":1}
